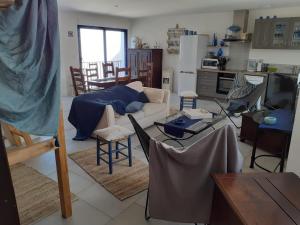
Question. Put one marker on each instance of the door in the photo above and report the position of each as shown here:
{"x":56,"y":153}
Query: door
{"x":187,"y":82}
{"x":262,"y":35}
{"x":294,"y":40}
{"x":280,"y":33}
{"x":133,"y":61}
{"x":188,"y":53}
{"x":145,"y":56}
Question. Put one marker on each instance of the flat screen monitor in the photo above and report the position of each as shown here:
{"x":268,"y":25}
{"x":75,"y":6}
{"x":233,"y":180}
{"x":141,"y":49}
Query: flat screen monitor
{"x":281,"y":91}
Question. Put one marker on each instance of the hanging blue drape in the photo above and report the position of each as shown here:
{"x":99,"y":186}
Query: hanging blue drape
{"x":30,"y":66}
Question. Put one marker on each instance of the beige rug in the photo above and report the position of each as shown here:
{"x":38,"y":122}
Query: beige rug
{"x":125,"y":181}
{"x":37,"y":195}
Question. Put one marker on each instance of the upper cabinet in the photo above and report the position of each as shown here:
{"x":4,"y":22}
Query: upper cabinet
{"x":277,"y":33}
{"x":295,"y":34}
{"x":262,"y":31}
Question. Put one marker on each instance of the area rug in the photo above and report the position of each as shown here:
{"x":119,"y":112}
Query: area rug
{"x":125,"y":181}
{"x":37,"y":195}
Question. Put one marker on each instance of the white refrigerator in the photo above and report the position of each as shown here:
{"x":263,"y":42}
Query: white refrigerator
{"x":193,"y":49}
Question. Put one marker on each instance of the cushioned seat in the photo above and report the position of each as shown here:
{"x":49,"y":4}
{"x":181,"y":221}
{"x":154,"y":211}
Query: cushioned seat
{"x":113,"y":133}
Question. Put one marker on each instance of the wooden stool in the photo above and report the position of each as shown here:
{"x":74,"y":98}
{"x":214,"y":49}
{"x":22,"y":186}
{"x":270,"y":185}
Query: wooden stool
{"x":114,"y":134}
{"x":188,"y":99}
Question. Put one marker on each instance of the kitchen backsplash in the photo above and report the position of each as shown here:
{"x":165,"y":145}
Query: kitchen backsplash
{"x":289,"y":69}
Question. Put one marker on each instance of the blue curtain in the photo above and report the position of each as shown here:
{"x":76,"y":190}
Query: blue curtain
{"x":30,"y":66}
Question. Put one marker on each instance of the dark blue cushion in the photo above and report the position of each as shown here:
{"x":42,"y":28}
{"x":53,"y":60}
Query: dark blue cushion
{"x":142,"y":97}
{"x":134,"y":107}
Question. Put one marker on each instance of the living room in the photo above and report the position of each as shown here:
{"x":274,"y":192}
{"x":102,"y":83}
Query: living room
{"x":190,"y":82}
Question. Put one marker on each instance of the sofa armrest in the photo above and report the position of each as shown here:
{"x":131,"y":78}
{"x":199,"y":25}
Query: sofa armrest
{"x":108,"y":118}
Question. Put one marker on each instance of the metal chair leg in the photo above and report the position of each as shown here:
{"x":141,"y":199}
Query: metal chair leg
{"x":229,"y":117}
{"x":147,"y":217}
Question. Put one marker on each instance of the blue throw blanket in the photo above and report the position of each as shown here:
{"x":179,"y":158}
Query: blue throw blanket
{"x":87,"y":110}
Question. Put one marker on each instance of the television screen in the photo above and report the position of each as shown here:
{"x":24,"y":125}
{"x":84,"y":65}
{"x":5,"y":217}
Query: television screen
{"x":281,"y":91}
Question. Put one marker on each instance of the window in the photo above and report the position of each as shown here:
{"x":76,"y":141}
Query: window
{"x":98,"y":45}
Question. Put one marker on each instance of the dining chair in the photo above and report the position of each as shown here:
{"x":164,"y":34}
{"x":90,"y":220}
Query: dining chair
{"x":108,"y":69}
{"x":92,"y":73}
{"x":123,"y":75}
{"x":78,"y":81}
{"x":145,"y":74}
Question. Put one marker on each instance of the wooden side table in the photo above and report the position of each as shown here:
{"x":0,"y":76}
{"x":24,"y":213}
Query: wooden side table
{"x":270,"y":142}
{"x":256,"y":199}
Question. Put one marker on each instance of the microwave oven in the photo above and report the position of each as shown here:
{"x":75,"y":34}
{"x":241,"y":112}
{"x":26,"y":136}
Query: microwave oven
{"x":210,"y":63}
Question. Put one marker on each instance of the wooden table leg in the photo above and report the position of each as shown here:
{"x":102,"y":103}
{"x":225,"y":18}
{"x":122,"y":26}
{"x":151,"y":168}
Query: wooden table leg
{"x":62,"y":171}
{"x":8,"y":206}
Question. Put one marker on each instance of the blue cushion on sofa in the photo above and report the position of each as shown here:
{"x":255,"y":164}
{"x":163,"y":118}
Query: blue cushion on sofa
{"x":142,"y":97}
{"x":134,"y":107}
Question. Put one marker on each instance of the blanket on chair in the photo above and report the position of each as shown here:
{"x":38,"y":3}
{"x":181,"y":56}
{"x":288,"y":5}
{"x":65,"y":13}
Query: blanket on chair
{"x":180,"y":188}
{"x":87,"y":110}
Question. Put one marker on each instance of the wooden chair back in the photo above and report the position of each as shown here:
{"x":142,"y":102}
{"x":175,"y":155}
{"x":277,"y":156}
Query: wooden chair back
{"x":123,"y":75}
{"x":108,"y":69}
{"x":145,"y":74}
{"x":78,"y":81}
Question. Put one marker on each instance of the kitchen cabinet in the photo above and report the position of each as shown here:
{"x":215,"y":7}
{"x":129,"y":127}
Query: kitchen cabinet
{"x":207,"y":84}
{"x":294,"y":34}
{"x":277,"y":33}
{"x":261,"y":35}
{"x":280,"y":33}
{"x":137,"y":59}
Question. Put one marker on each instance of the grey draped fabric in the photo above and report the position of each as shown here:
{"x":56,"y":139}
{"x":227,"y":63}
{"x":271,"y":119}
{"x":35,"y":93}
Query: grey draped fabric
{"x":181,"y":188}
{"x":30,"y":66}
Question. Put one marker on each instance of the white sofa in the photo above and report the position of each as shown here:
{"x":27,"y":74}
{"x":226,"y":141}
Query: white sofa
{"x":151,"y":112}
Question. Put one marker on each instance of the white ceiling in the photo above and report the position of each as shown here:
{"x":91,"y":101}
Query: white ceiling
{"x":144,"y":8}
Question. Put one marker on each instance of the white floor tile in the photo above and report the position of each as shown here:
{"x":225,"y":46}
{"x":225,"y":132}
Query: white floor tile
{"x":77,"y":183}
{"x":134,"y":215}
{"x":104,"y":201}
{"x":83,"y":214}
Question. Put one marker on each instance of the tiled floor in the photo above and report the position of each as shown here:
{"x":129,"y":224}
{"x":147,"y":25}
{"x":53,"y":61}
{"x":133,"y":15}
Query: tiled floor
{"x":96,"y":206}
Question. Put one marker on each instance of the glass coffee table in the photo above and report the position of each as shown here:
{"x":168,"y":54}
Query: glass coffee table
{"x":190,"y":131}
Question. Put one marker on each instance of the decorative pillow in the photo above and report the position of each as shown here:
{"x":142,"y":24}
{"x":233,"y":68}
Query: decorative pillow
{"x":137,"y":85}
{"x":134,"y":107}
{"x":155,"y":95}
{"x":119,"y":106}
{"x":143,"y":98}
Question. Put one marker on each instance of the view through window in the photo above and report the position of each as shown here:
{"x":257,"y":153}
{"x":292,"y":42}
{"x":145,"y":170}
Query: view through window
{"x":99,"y":45}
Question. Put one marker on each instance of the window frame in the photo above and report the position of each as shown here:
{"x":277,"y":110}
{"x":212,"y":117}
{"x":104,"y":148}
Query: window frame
{"x":104,"y":29}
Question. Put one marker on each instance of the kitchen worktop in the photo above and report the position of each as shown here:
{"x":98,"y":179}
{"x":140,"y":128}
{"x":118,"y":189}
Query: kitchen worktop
{"x":235,"y":71}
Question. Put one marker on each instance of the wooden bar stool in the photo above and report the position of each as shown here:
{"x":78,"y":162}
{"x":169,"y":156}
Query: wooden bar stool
{"x":109,"y":136}
{"x":188,"y":99}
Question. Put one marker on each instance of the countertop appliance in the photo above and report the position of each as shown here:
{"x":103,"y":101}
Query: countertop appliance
{"x":193,"y":50}
{"x":209,"y":63}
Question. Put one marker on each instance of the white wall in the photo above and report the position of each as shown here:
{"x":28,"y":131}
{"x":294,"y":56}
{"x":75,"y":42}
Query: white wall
{"x":291,"y":57}
{"x":154,"y":29}
{"x":68,"y":21}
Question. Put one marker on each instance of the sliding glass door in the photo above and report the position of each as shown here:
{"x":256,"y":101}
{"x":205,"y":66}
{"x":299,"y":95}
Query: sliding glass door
{"x":98,"y":45}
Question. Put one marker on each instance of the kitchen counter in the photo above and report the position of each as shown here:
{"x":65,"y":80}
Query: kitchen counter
{"x":234,"y":71}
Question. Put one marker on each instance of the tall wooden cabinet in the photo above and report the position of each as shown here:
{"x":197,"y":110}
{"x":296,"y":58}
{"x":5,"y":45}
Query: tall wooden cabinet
{"x":137,"y":58}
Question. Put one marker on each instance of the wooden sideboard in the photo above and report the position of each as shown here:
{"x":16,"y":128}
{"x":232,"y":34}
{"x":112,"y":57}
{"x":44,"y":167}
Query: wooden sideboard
{"x":137,"y":59}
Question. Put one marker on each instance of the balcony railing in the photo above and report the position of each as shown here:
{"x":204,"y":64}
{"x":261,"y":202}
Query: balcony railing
{"x":85,"y":66}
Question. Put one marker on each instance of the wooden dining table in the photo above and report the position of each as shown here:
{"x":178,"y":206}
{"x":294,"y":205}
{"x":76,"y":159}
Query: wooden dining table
{"x":109,"y":82}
